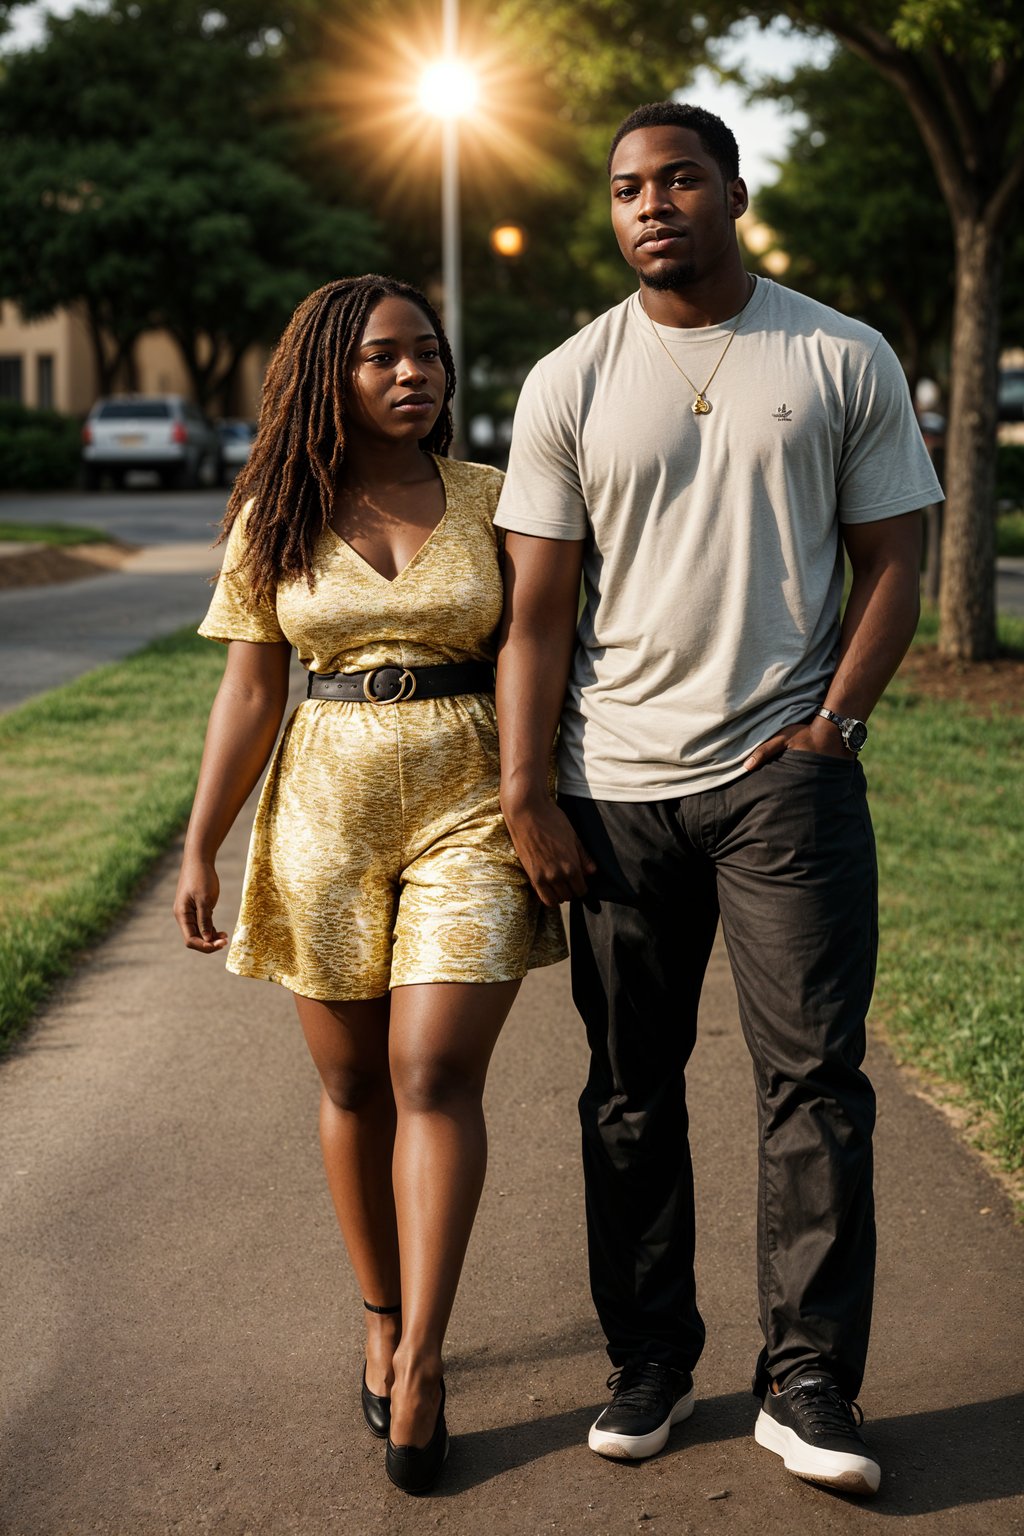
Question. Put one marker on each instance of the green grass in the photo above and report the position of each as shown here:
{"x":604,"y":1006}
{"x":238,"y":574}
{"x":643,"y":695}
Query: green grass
{"x":96,"y":778}
{"x":1010,"y":534}
{"x":948,"y":803}
{"x":51,"y":533}
{"x":1009,"y":631}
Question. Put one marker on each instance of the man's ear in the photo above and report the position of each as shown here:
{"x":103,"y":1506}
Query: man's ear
{"x":737,"y":197}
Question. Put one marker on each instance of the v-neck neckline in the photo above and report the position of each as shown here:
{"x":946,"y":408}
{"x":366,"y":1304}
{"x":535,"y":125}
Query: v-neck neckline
{"x":369,"y":566}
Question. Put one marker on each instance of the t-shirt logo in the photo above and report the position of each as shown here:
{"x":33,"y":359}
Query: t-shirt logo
{"x":783,"y":413}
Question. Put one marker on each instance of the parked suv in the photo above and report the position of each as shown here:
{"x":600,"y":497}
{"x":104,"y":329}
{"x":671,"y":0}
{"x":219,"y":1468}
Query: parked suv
{"x":165,"y":433}
{"x":236,"y":440}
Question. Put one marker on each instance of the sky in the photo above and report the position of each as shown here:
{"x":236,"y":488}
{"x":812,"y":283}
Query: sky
{"x":762,"y":129}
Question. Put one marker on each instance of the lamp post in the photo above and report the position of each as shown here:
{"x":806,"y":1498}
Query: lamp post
{"x":448,"y":90}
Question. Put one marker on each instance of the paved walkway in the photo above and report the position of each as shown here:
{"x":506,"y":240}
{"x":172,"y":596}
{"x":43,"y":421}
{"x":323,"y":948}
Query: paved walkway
{"x":182,"y":1337}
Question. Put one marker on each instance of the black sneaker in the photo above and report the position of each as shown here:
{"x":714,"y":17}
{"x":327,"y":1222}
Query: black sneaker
{"x":647,"y":1399}
{"x":814,"y":1429}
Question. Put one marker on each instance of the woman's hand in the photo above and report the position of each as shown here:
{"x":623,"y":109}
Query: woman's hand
{"x":556,"y":862}
{"x":239,"y":738}
{"x":198,"y":890}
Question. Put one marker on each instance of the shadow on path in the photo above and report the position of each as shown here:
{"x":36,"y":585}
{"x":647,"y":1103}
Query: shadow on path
{"x":944,"y":1459}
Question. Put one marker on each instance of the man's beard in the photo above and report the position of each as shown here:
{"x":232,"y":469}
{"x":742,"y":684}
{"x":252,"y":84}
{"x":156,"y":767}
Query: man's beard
{"x":671,"y":279}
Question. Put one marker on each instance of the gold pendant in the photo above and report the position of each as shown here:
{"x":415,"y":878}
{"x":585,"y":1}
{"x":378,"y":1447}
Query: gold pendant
{"x":701,"y":406}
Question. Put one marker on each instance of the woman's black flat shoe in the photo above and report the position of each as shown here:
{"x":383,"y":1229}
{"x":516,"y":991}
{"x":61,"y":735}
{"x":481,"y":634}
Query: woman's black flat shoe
{"x":376,"y":1410}
{"x":414,"y":1468}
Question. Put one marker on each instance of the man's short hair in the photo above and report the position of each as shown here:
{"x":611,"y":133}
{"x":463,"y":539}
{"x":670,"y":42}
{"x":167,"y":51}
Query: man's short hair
{"x":717,"y":139}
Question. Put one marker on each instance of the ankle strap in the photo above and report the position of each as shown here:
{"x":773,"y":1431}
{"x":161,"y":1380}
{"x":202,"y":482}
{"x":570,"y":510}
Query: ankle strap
{"x":383,"y":1311}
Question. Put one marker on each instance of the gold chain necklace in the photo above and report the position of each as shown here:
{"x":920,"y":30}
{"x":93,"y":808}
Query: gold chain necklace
{"x":701,"y":404}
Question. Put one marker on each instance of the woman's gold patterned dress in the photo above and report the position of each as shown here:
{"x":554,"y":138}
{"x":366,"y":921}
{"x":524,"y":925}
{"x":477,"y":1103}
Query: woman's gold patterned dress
{"x":379,"y":856}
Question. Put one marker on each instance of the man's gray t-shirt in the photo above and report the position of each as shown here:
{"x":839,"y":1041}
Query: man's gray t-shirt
{"x":713,"y":568}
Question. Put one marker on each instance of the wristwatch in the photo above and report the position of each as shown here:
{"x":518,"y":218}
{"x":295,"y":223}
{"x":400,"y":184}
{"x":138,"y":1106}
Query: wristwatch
{"x":854,"y":732}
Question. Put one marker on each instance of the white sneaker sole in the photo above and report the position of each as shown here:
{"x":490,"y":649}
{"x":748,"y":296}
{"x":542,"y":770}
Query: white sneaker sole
{"x":835,"y":1469}
{"x":638,"y":1447}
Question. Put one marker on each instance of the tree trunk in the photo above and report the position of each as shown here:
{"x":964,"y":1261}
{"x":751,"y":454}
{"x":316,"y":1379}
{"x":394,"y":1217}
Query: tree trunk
{"x":225,"y":390}
{"x":104,"y":363}
{"x":967,"y":619}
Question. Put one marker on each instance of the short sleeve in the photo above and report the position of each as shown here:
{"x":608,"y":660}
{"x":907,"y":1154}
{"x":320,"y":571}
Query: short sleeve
{"x":885,"y":467}
{"x":542,"y":494}
{"x":232,"y":614}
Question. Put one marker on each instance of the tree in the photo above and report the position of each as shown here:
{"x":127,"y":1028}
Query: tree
{"x":960,"y":69}
{"x":159,"y":193}
{"x":858,"y":212}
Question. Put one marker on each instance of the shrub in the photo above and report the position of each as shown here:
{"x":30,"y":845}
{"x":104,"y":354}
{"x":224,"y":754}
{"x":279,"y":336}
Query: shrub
{"x":1010,"y":474}
{"x":39,"y":450}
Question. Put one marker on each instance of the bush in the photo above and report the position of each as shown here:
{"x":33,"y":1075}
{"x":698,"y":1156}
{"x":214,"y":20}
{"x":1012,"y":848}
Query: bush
{"x":39,"y":450}
{"x":1010,"y":474}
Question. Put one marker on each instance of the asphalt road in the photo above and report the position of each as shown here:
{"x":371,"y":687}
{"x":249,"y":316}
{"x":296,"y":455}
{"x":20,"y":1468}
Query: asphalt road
{"x":141,"y":514}
{"x":51,"y":635}
{"x":1010,"y":587}
{"x":182,"y":1337}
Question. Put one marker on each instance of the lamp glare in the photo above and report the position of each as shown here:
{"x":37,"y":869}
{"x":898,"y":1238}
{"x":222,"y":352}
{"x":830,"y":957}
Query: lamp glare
{"x":448,"y":89}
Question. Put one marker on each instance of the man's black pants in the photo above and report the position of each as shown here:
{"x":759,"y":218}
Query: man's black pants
{"x":786,"y":856}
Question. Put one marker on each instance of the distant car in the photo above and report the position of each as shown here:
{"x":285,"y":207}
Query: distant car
{"x":1011,"y":394}
{"x":236,"y":440}
{"x":162,"y":433}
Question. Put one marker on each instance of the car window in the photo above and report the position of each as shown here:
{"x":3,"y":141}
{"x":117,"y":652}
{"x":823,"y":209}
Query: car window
{"x":134,"y":410}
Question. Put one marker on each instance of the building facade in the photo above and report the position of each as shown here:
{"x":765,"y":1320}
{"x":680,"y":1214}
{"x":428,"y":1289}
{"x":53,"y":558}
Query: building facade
{"x":50,"y":364}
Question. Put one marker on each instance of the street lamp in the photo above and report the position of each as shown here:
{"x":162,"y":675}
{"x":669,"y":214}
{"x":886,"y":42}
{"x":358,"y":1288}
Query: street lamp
{"x":508,"y":240}
{"x":448,"y":90}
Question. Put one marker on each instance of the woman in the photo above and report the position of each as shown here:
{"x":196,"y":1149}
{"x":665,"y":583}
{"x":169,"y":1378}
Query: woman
{"x":382,"y":888}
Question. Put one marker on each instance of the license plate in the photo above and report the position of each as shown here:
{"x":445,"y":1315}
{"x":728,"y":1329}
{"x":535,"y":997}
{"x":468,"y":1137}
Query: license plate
{"x":130,"y":439}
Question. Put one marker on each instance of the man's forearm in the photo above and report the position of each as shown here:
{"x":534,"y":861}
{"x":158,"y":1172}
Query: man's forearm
{"x":542,"y":581}
{"x":881,"y":616}
{"x":534,"y":656}
{"x":532,"y":677}
{"x":878,"y":626}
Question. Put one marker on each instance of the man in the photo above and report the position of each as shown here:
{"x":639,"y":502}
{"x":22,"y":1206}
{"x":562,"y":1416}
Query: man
{"x":702,"y":454}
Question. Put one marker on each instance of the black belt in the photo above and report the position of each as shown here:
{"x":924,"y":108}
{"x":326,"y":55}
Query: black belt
{"x":390,"y":685}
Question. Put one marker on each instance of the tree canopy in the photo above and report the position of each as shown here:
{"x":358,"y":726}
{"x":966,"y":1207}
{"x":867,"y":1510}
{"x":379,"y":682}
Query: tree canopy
{"x":150,"y":183}
{"x":959,"y":69}
{"x":857,"y":210}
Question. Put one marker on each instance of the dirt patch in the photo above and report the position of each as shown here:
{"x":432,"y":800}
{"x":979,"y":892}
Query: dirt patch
{"x":985,"y":687}
{"x":39,"y":565}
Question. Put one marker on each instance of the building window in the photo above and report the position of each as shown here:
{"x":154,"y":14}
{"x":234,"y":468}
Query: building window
{"x":44,"y":381}
{"x":10,"y":378}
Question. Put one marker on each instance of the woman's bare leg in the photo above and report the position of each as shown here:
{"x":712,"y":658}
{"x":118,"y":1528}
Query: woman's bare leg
{"x":349,"y":1045}
{"x":441,"y":1039}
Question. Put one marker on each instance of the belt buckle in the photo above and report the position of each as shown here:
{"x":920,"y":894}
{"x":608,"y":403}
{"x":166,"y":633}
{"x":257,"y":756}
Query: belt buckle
{"x":406,"y":685}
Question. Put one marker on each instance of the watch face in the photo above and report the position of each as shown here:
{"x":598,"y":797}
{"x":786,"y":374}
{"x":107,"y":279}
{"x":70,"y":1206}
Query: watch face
{"x":856,"y":735}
